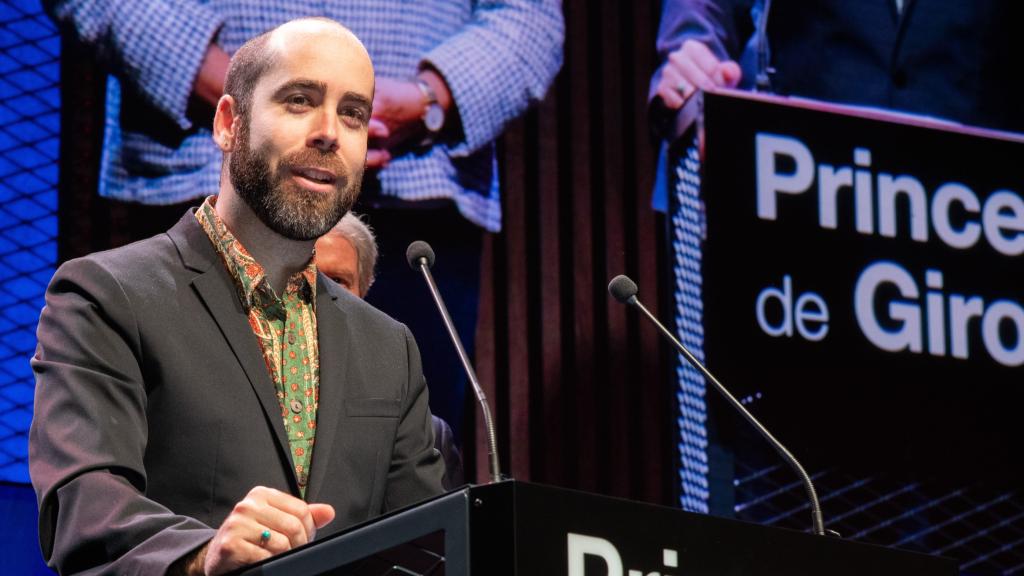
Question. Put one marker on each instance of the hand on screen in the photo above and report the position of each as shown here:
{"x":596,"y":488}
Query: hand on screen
{"x":377,"y":155}
{"x":693,"y":67}
{"x":399,"y":105}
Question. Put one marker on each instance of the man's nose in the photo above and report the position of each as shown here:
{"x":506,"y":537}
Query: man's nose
{"x":324,"y":135}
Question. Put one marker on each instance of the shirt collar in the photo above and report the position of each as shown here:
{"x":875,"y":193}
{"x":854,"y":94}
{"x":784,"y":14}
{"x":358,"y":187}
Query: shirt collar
{"x":248,"y":274}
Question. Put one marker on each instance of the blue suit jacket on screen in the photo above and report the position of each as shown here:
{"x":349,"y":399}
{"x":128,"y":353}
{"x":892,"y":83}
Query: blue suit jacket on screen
{"x":951,"y":59}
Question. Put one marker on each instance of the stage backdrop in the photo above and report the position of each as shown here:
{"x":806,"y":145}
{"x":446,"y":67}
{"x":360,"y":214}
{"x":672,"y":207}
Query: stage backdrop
{"x":29,"y":141}
{"x":578,"y":385}
{"x":860,"y":292}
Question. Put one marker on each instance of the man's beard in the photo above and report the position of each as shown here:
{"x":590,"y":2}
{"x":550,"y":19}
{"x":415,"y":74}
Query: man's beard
{"x":288,"y":209}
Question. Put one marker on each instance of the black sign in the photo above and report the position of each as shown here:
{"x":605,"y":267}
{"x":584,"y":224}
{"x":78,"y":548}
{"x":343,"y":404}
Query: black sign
{"x":863,"y":284}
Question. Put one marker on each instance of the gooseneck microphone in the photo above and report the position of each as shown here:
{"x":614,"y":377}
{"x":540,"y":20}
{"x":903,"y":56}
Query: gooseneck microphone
{"x":624,"y":290}
{"x":421,"y":257}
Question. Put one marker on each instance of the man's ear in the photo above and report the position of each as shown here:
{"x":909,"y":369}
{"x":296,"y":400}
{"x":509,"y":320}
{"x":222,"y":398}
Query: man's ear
{"x":225,"y":123}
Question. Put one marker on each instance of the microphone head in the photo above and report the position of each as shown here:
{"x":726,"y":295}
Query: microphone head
{"x":418,"y":250}
{"x":622,"y":288}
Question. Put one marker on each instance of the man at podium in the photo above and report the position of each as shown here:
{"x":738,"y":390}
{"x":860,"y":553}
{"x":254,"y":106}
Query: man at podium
{"x":206,"y":398}
{"x":944,"y":58}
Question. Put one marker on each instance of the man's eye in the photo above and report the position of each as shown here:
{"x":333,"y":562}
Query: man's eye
{"x":354,"y":113}
{"x":299,"y":100}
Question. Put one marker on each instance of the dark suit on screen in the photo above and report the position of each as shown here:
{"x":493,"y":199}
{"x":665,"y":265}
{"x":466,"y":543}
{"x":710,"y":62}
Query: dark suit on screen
{"x":953,"y":59}
{"x":155,"y":412}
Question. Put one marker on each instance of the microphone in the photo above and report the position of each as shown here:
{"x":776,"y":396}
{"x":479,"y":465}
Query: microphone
{"x":421,"y":257}
{"x":625,"y":290}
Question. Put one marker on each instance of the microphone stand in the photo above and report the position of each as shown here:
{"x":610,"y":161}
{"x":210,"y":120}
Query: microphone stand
{"x":624,"y":290}
{"x":423,"y":262}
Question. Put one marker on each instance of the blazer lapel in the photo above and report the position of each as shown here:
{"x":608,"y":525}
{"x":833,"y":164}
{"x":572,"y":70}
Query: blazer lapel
{"x":215,"y":288}
{"x":333,"y":338}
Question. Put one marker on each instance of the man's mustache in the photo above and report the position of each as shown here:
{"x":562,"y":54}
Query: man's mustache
{"x":310,"y":158}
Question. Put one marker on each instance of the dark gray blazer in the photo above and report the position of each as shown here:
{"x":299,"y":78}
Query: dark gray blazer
{"x":155,"y":413}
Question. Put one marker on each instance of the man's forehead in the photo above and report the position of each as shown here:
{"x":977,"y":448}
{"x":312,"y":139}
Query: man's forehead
{"x":337,"y":242}
{"x":318,"y":50}
{"x":310,"y":28}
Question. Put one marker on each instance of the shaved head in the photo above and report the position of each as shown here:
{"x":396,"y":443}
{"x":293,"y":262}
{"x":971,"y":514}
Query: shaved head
{"x":261,"y":53}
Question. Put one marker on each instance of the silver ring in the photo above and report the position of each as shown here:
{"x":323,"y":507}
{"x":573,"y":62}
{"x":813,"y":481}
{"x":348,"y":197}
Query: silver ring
{"x":265,"y":537}
{"x":682,"y":87}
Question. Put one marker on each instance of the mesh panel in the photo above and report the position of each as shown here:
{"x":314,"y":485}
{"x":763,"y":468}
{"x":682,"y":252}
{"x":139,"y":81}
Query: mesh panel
{"x":981,"y":526}
{"x":29,"y":142}
{"x":687,"y":235}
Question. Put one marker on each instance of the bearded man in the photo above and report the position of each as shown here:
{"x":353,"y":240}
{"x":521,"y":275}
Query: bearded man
{"x":205,"y":398}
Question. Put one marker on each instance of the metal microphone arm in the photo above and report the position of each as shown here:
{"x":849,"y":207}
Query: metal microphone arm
{"x":492,"y":443}
{"x":624,"y":290}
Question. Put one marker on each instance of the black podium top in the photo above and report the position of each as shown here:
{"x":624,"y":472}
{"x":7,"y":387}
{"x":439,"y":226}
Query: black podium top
{"x":515,"y":528}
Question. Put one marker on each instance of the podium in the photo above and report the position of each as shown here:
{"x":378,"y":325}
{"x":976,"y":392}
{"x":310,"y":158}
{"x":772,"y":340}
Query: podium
{"x":516,"y":528}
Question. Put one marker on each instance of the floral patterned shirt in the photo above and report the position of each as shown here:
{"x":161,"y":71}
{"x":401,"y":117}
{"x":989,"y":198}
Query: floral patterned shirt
{"x":285,"y":327}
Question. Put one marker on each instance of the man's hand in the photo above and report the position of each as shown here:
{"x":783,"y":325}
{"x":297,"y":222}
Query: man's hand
{"x":377,"y":156}
{"x":399,"y":105}
{"x":239,"y":541}
{"x":209,"y":84}
{"x":398,"y":108}
{"x":693,"y":67}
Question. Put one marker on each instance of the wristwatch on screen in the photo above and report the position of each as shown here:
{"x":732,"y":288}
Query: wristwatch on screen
{"x":433,"y":114}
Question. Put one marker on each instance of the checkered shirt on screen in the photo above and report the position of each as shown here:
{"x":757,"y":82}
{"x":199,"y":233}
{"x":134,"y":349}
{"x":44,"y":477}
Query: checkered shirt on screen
{"x":497,"y":58}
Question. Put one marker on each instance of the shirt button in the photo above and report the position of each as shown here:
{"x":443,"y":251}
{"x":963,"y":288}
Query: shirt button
{"x":303,"y":479}
{"x":291,"y":338}
{"x":296,"y":406}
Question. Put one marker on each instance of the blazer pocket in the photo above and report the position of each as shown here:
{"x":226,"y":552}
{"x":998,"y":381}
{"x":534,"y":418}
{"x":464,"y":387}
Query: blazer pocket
{"x":373,"y":408}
